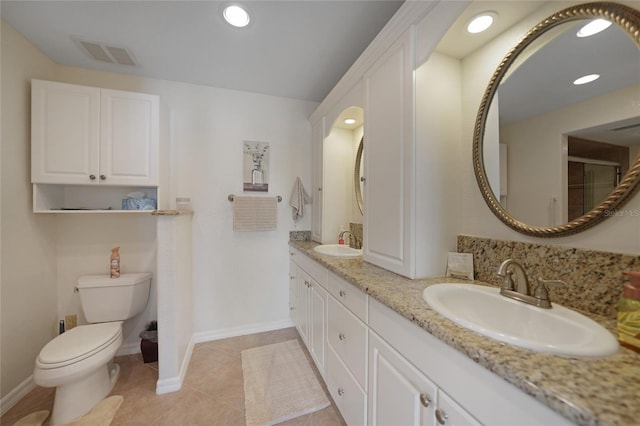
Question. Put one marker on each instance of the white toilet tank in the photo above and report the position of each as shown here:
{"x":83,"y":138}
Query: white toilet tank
{"x":107,"y":299}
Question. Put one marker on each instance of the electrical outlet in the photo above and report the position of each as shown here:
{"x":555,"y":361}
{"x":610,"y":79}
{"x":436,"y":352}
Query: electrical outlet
{"x":70,"y":321}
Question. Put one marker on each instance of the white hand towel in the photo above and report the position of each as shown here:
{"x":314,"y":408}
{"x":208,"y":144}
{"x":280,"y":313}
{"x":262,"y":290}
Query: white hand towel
{"x":299,"y":198}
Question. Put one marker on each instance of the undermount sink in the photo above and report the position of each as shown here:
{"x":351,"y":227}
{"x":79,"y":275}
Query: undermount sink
{"x":559,"y":330}
{"x":338,"y":250}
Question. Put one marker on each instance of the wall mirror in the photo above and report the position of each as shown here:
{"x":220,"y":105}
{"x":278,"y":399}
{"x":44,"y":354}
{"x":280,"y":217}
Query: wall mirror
{"x":358,"y":176}
{"x":553,"y":158}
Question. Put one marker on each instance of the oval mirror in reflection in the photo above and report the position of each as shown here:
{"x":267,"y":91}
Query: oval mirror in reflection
{"x":552,"y":157}
{"x":358,"y":176}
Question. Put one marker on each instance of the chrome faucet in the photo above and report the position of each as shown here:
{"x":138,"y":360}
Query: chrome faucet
{"x":519,"y":289}
{"x":341,"y":235}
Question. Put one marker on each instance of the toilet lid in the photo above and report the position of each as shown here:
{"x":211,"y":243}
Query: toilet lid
{"x":78,"y":343}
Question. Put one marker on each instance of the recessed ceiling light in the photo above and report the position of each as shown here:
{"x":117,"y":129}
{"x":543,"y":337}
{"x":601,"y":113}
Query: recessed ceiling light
{"x":586,"y":79}
{"x":349,"y":121}
{"x":236,"y":16}
{"x":593,"y":27}
{"x":481,"y":22}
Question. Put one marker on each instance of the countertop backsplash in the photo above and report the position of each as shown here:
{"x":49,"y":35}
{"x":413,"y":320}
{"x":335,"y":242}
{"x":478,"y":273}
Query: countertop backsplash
{"x":594,"y":278}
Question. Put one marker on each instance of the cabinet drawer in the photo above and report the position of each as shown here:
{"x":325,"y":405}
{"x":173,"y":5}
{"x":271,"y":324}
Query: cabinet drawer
{"x":347,"y":335}
{"x":311,"y":267}
{"x":350,"y":399}
{"x":353,"y":298}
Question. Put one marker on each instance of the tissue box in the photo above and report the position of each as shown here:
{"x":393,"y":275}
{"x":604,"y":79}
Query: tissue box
{"x":138,"y":204}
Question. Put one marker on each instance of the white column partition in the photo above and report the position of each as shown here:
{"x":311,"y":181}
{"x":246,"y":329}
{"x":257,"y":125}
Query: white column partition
{"x":175,"y":299}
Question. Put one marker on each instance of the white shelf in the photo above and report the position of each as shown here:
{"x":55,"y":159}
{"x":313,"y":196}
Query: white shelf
{"x":87,"y":199}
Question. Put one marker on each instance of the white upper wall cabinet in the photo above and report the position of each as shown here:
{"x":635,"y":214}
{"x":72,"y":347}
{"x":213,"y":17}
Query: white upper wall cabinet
{"x":389,"y":224}
{"x":89,"y":136}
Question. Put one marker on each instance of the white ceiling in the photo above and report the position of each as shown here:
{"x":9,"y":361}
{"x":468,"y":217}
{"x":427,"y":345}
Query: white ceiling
{"x":543,"y":82}
{"x":297,"y":49}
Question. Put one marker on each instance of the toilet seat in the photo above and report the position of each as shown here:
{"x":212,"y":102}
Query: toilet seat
{"x":78,"y":344}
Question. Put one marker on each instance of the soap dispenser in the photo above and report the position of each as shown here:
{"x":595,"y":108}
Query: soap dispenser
{"x":629,"y":312}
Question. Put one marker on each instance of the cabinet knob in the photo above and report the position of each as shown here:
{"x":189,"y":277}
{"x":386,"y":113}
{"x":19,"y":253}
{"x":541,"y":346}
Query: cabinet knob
{"x":340,"y":391}
{"x":291,"y":277}
{"x":363,"y":179}
{"x":425,"y":399}
{"x":342,"y":293}
{"x":292,"y":253}
{"x":307,"y":283}
{"x":291,"y":308}
{"x":92,"y":177}
{"x":102,"y":177}
{"x":441,"y":416}
{"x":319,"y":189}
{"x":341,"y":336}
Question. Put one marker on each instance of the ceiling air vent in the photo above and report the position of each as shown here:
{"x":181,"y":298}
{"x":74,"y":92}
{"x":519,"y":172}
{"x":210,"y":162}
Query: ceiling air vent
{"x":105,"y":53}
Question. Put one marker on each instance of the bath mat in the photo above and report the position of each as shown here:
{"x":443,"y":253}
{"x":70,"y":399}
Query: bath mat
{"x":101,"y":415}
{"x":33,"y":419}
{"x":279,"y":384}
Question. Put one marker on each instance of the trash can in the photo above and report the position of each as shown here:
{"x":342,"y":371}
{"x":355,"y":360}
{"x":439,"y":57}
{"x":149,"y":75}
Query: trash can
{"x":149,"y":342}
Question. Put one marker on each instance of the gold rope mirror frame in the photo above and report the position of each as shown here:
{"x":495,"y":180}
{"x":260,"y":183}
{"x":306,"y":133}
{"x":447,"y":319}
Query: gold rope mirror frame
{"x":628,"y":20}
{"x":357,"y":177}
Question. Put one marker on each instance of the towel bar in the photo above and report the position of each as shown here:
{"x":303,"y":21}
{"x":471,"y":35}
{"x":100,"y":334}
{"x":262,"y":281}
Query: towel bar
{"x":231,"y":197}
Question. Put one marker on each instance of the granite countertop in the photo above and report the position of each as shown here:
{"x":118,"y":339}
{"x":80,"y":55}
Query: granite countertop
{"x":587,"y":391}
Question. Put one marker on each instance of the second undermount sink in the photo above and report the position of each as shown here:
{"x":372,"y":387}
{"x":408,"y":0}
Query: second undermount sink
{"x":338,"y":250}
{"x":558,"y":330}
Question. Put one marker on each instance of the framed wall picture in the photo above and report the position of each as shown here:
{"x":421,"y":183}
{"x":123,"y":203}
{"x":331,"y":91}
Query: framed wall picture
{"x":256,"y":166}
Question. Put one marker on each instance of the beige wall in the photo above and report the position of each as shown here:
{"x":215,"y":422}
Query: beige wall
{"x":617,"y":234}
{"x":28,"y":282}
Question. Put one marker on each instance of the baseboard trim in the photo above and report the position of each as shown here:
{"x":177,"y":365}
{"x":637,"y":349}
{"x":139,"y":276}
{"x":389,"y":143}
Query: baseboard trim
{"x":208,"y":336}
{"x":129,"y":349}
{"x":16,"y":394}
{"x":173,"y":384}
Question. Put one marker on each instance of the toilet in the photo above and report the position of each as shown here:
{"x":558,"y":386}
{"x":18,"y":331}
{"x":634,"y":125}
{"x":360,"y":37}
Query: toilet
{"x":79,"y":363}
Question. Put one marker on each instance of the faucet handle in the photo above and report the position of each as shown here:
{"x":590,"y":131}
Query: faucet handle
{"x":541,"y":293}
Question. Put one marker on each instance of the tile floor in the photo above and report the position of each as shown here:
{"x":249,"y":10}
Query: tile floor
{"x":212,"y":393}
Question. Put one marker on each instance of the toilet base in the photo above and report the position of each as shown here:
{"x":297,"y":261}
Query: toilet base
{"x":76,"y":399}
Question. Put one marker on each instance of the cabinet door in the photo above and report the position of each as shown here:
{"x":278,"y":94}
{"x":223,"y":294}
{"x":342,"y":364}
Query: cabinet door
{"x":65,"y":133}
{"x":303,"y":280}
{"x":129,"y":138}
{"x":399,"y":394}
{"x":316,"y":181}
{"x":389,"y":156}
{"x":293,"y":292}
{"x":318,"y":324}
{"x":449,"y":413}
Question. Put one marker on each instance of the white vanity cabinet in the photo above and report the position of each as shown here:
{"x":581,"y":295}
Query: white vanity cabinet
{"x":311,"y":306}
{"x":87,"y":136}
{"x":347,"y":335}
{"x":382,"y":369}
{"x":400,"y":394}
{"x":389,"y":153}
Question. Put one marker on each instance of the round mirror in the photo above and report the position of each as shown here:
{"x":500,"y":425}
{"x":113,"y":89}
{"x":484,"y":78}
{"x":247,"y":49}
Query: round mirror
{"x":553,"y":157}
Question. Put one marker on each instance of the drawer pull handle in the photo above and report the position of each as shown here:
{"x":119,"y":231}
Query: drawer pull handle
{"x":341,"y":336}
{"x":340,"y":391}
{"x":425,"y":399}
{"x":342,"y":293}
{"x":441,"y":416}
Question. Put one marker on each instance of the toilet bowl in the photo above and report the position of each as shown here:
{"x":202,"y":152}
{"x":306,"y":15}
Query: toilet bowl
{"x":79,"y":363}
